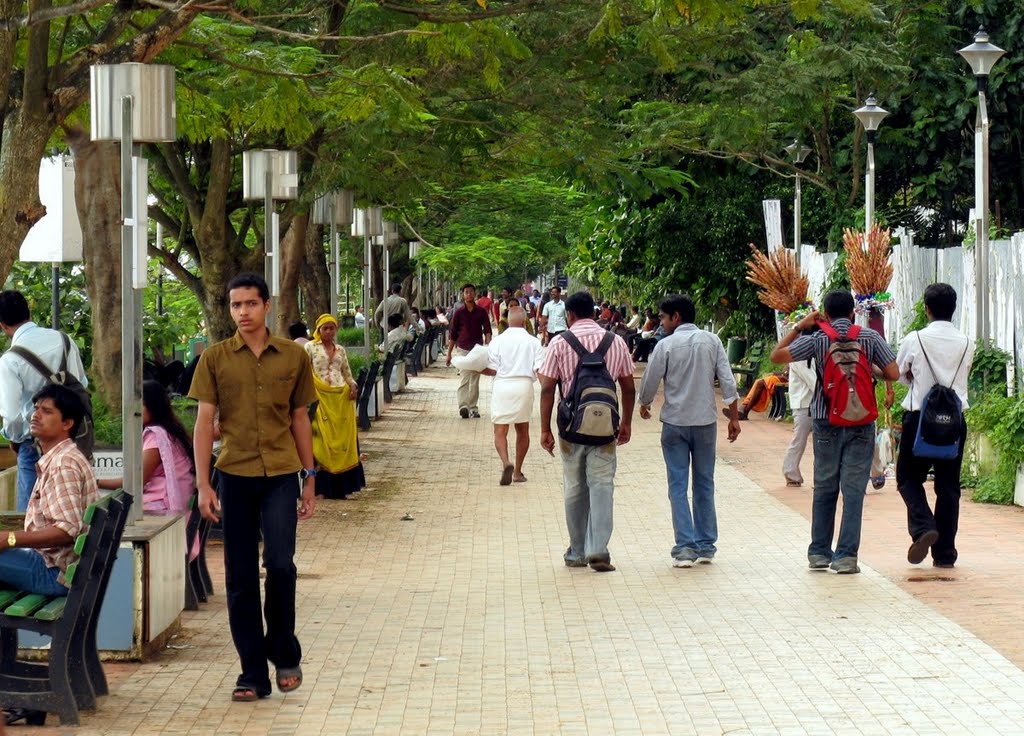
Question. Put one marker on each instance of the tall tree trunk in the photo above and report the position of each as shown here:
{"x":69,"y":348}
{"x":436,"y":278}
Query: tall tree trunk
{"x":293,"y":253}
{"x":98,"y":199}
{"x":315,"y":277}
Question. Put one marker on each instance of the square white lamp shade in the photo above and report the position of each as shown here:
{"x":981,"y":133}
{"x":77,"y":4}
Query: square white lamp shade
{"x":341,"y":214}
{"x":390,"y":233}
{"x":57,"y":237}
{"x":151,"y":87}
{"x":285,"y":168}
{"x":367,"y":222}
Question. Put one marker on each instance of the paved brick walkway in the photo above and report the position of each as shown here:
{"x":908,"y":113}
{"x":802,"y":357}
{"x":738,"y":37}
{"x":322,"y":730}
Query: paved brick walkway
{"x":463,"y":620}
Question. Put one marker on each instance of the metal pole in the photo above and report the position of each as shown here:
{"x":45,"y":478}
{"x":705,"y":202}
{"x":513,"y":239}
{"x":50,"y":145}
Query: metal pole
{"x":335,"y":265}
{"x":796,"y":220}
{"x":268,"y":241}
{"x":869,"y":187}
{"x":131,"y":319}
{"x":160,"y":274}
{"x":367,"y":307}
{"x":981,"y":192}
{"x":55,"y":297}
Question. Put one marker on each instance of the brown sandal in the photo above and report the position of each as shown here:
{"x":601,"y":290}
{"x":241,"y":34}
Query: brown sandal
{"x":244,"y":695}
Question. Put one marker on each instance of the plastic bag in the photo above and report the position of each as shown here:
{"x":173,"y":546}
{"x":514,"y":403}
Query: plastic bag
{"x":474,"y":360}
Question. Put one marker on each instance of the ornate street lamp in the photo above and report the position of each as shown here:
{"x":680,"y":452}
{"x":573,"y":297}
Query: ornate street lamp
{"x":799,"y":153}
{"x":982,"y":56}
{"x":870,"y":116}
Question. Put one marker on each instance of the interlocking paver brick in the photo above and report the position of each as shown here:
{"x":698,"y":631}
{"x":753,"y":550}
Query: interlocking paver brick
{"x":465,"y":620}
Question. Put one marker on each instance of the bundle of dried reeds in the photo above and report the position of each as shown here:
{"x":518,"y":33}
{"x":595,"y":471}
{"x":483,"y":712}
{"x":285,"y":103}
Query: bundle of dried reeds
{"x":783,"y":286}
{"x":868,"y":263}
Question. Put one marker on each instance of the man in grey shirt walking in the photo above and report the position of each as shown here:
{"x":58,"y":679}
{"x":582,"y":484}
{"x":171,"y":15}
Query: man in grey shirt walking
{"x":689,"y":360}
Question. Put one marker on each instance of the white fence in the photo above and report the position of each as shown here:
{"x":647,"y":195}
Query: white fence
{"x":914,"y":267}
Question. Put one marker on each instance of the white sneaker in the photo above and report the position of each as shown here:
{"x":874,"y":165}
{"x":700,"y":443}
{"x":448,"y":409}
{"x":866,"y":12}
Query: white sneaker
{"x":682,"y":562}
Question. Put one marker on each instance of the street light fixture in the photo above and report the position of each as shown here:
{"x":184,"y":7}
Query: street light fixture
{"x":367,"y":224}
{"x":982,"y":56}
{"x":269,"y":174}
{"x":799,"y":153}
{"x":132,"y":103}
{"x":334,"y":208}
{"x":870,"y":116}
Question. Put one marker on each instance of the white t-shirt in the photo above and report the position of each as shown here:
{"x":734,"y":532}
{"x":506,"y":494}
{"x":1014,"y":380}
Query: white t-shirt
{"x":945,"y":346}
{"x":555,"y":312}
{"x":515,"y":353}
{"x":801,"y":385}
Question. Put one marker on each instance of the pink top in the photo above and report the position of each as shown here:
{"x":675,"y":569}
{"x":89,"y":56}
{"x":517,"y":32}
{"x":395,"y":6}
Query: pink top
{"x":560,"y":360}
{"x":163,"y":494}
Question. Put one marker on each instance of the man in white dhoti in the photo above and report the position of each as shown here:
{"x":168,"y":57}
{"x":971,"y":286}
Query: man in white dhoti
{"x":512,"y":358}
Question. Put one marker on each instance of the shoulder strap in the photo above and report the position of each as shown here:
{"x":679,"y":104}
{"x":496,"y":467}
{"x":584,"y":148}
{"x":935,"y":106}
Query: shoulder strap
{"x":573,"y":342}
{"x":32,"y":359}
{"x":829,"y":330}
{"x":606,"y":343}
{"x":853,"y":333}
{"x":67,"y":349}
{"x":960,"y":365}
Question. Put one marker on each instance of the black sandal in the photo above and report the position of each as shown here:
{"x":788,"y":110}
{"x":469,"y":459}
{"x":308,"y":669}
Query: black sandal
{"x":31,"y":717}
{"x":283,"y":673}
{"x":245,"y":695}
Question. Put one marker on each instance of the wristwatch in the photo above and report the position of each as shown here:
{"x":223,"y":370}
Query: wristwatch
{"x":307,"y":473}
{"x":12,"y":541}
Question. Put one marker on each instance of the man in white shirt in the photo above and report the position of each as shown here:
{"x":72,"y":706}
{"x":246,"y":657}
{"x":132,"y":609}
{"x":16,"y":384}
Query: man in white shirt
{"x":554,"y":314}
{"x":360,"y":317}
{"x":19,"y":381}
{"x":512,"y":358}
{"x":689,"y":360}
{"x":802,"y":378}
{"x":939,"y":353}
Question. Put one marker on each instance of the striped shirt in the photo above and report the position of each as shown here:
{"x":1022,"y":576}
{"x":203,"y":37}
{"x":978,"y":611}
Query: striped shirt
{"x":65,"y":486}
{"x":816,"y":346}
{"x":560,"y":360}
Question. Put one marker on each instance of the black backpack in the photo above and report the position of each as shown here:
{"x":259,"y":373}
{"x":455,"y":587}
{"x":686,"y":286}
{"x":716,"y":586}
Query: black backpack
{"x":942,"y":416}
{"x":590,"y":414}
{"x":86,"y":436}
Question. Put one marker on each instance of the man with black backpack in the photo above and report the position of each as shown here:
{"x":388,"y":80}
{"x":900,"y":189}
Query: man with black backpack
{"x":21,"y":378}
{"x":935,"y":363}
{"x":843,"y":410}
{"x":586,"y":361}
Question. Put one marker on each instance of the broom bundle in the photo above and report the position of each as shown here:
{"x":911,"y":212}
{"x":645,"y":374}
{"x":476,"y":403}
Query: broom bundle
{"x":782,"y":286}
{"x":868,"y":262}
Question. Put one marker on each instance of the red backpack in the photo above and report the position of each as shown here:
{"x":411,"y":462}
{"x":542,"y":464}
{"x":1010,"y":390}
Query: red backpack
{"x":846,"y":380}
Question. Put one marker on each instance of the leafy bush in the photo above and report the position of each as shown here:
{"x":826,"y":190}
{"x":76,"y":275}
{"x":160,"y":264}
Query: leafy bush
{"x":1001,"y":419}
{"x":351,"y":337}
{"x":356,"y":361}
{"x":988,"y":372}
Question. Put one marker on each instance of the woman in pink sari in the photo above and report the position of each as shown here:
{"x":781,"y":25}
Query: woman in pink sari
{"x":168,"y":472}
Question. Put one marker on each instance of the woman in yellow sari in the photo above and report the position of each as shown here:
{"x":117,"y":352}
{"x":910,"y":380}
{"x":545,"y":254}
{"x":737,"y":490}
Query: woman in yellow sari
{"x":335,"y":444}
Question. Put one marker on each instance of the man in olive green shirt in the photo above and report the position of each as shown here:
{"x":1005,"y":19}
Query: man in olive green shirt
{"x":261,"y":385}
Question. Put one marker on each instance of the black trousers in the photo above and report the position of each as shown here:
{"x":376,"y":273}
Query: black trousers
{"x":911,"y":473}
{"x":249,"y":507}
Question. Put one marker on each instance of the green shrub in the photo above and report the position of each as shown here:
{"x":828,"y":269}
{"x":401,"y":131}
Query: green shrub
{"x":351,"y":337}
{"x":988,"y":371}
{"x":1001,"y":419}
{"x":356,"y":361}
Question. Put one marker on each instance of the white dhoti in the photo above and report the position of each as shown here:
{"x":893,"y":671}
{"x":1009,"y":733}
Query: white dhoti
{"x":512,"y":400}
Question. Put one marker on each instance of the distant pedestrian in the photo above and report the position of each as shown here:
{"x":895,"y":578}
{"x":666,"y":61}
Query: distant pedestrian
{"x":299,"y":332}
{"x":512,"y":358}
{"x":262,"y":386}
{"x":588,"y":470}
{"x":470,"y":326}
{"x":360,"y":317}
{"x":937,"y":354}
{"x":394,"y":303}
{"x":802,"y":378}
{"x":689,"y":361}
{"x":555,"y":322}
{"x":843,"y":446}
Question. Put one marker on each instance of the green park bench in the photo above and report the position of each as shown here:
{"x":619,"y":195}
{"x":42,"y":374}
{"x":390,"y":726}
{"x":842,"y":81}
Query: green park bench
{"x":72,"y":677}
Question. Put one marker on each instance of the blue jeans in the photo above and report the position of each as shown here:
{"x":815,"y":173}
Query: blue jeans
{"x":683,"y":448}
{"x":28,"y":456}
{"x":25,"y":569}
{"x":589,"y":476}
{"x":842,"y":462}
{"x":249,"y":507}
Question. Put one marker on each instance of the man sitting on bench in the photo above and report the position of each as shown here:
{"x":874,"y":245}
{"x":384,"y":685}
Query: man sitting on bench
{"x":34,"y":560}
{"x":759,"y":397}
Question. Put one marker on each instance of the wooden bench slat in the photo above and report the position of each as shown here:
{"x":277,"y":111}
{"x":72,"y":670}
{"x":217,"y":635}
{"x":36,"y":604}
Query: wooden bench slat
{"x":8,"y":596}
{"x":52,"y":610}
{"x":27,"y":605}
{"x":69,"y":574}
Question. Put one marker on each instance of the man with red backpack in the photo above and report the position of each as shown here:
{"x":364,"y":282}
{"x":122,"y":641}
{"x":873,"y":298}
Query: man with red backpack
{"x":847,"y":358}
